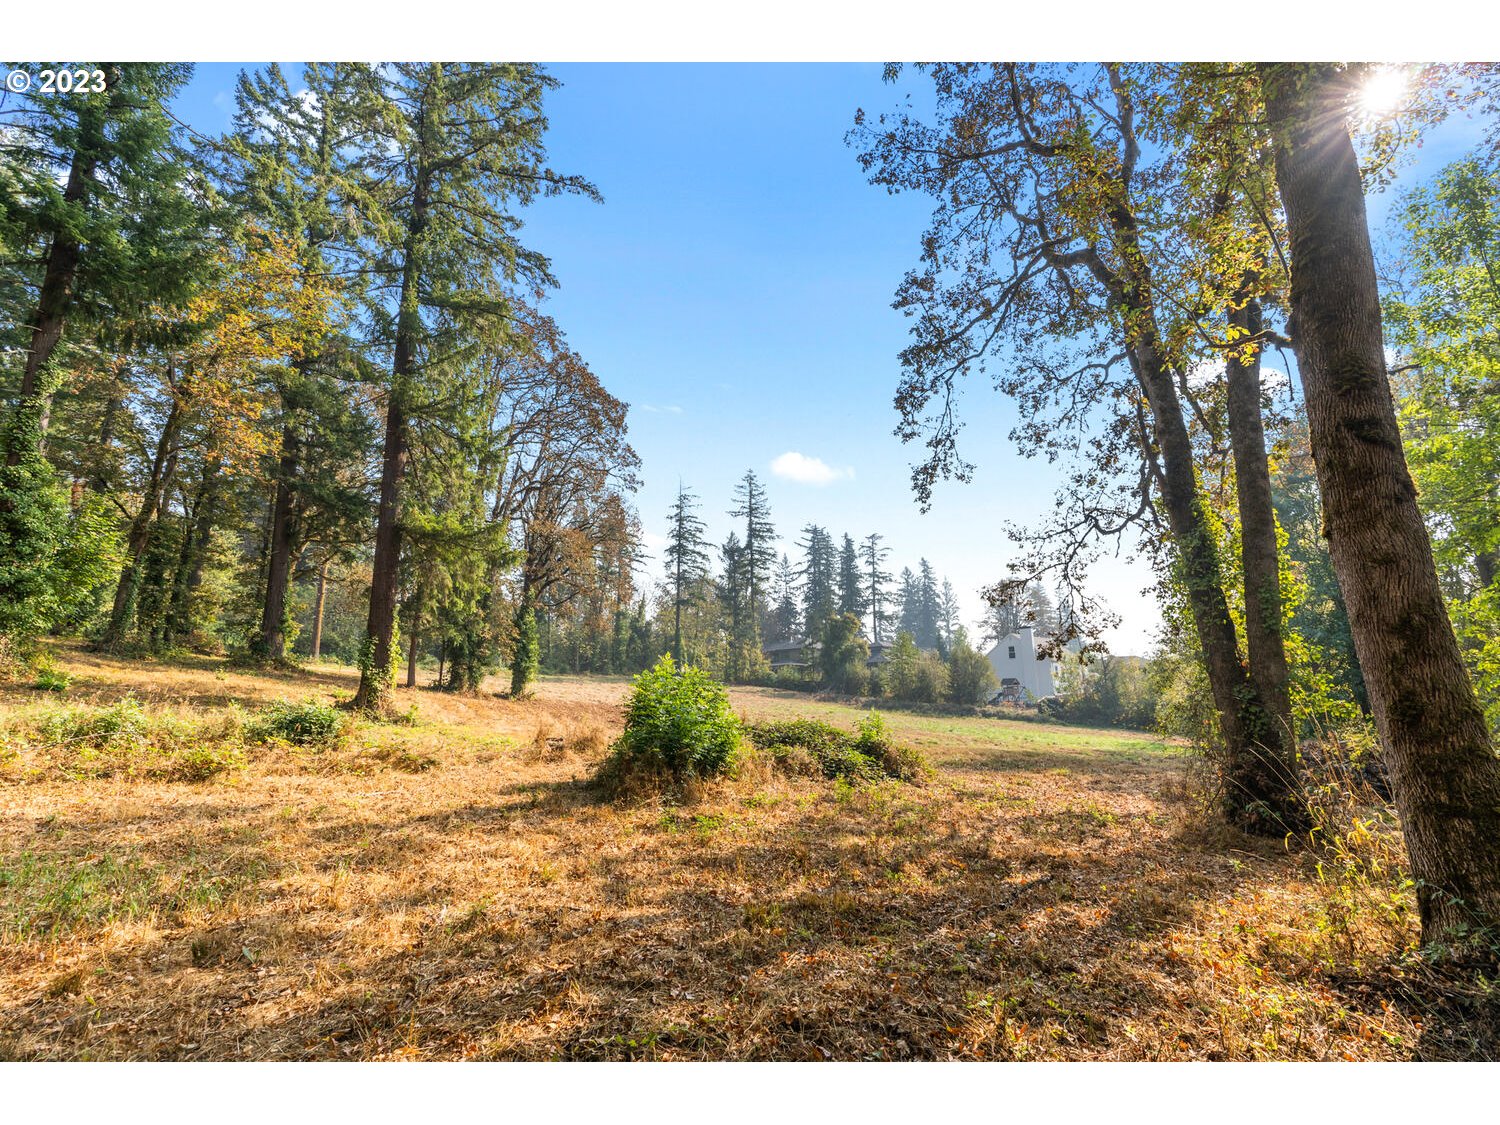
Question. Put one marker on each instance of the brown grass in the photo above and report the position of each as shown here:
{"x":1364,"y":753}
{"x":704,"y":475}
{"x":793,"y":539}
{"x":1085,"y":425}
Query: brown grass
{"x":453,"y":889}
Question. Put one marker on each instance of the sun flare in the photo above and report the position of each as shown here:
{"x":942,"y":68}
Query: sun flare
{"x":1383,"y":91}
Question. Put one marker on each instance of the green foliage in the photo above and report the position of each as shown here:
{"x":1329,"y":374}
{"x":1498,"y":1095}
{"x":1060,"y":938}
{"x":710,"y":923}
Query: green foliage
{"x":525,"y":663}
{"x":898,"y":675}
{"x":929,"y":682}
{"x":971,"y":677}
{"x":868,"y":754}
{"x":125,"y":740}
{"x":844,"y":654}
{"x":678,"y":723}
{"x":49,"y":677}
{"x":53,"y":555}
{"x":302,"y":724}
{"x":1448,"y":399}
{"x":1112,"y":691}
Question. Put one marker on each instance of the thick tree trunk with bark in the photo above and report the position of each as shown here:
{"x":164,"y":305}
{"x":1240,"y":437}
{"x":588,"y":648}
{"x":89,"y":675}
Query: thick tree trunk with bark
{"x":1444,"y":772}
{"x":1261,"y":558}
{"x":283,"y":549}
{"x":57,"y":279}
{"x":375,"y":665}
{"x":375,"y":671}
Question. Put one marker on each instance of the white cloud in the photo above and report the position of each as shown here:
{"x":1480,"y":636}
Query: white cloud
{"x":808,"y":470}
{"x":649,"y":409}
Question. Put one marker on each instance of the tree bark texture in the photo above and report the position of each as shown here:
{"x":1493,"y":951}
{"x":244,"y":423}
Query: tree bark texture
{"x":1444,"y":772}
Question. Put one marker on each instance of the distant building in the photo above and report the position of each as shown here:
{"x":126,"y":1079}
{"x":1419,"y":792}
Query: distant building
{"x":1023,"y":675}
{"x":791,"y":654}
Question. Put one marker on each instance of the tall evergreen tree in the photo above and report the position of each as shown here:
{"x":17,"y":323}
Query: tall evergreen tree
{"x":908,"y":604}
{"x":759,"y":542}
{"x":686,"y":558}
{"x":928,"y":633}
{"x":949,"y":615}
{"x":851,"y":581}
{"x":456,"y":149}
{"x":818,"y":576}
{"x":876,"y":578}
{"x":785,"y":617}
{"x":296,"y":165}
{"x":96,"y":200}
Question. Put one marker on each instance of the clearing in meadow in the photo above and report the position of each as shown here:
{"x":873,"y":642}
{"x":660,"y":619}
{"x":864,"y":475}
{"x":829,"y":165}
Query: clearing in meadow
{"x":451,"y":888}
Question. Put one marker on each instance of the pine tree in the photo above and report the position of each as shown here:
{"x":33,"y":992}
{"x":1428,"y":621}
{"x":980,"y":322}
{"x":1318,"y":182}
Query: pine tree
{"x":101,"y":220}
{"x":908,"y":604}
{"x":851,"y":581}
{"x":949,"y":624}
{"x":759,"y":544}
{"x":295,"y":166}
{"x":96,"y":205}
{"x":817,"y":575}
{"x":784,"y":613}
{"x":876,"y":579}
{"x":457,"y":148}
{"x":687,"y":561}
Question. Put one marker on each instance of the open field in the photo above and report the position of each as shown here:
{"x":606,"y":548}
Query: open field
{"x":451,"y":889}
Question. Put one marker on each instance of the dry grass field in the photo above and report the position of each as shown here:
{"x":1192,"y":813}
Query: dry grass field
{"x":451,"y":888}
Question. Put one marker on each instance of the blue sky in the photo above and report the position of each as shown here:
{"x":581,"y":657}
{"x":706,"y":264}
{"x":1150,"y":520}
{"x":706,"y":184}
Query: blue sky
{"x":735,"y":288}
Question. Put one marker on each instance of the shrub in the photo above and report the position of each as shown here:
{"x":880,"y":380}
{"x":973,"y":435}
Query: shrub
{"x":122,"y":726}
{"x":865,"y":755}
{"x":844,"y":655}
{"x":124,"y":740}
{"x":971,"y":678}
{"x":302,"y":724}
{"x":929,"y":679}
{"x":679,"y":723}
{"x":873,"y":740}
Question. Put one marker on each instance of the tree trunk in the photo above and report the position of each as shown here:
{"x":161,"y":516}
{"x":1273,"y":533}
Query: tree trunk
{"x":189,"y":574}
{"x":163,"y":467}
{"x":1261,"y":558}
{"x":283,"y":543}
{"x":99,"y":480}
{"x":375,"y":664}
{"x":416,"y":634}
{"x":1444,"y":772}
{"x":317,"y":633}
{"x":1261,"y":789}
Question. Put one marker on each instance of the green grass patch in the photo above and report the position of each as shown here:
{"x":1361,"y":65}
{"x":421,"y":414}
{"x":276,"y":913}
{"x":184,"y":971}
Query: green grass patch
{"x":48,"y":896}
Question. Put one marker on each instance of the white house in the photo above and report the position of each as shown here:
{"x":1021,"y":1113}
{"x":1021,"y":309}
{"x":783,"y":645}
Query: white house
{"x":1021,"y":672}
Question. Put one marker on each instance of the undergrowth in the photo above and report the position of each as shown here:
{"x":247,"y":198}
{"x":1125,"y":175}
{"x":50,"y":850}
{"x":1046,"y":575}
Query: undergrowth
{"x":866,"y":754}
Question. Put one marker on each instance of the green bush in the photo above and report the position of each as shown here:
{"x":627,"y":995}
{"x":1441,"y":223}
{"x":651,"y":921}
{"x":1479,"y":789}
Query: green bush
{"x":49,"y":677}
{"x":124,"y":740}
{"x":302,"y":724}
{"x":865,"y":755}
{"x":971,"y":678}
{"x":122,"y":726}
{"x":678,"y":722}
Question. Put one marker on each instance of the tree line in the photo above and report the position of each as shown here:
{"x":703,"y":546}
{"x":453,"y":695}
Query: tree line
{"x":309,"y":353}
{"x":721,"y":607}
